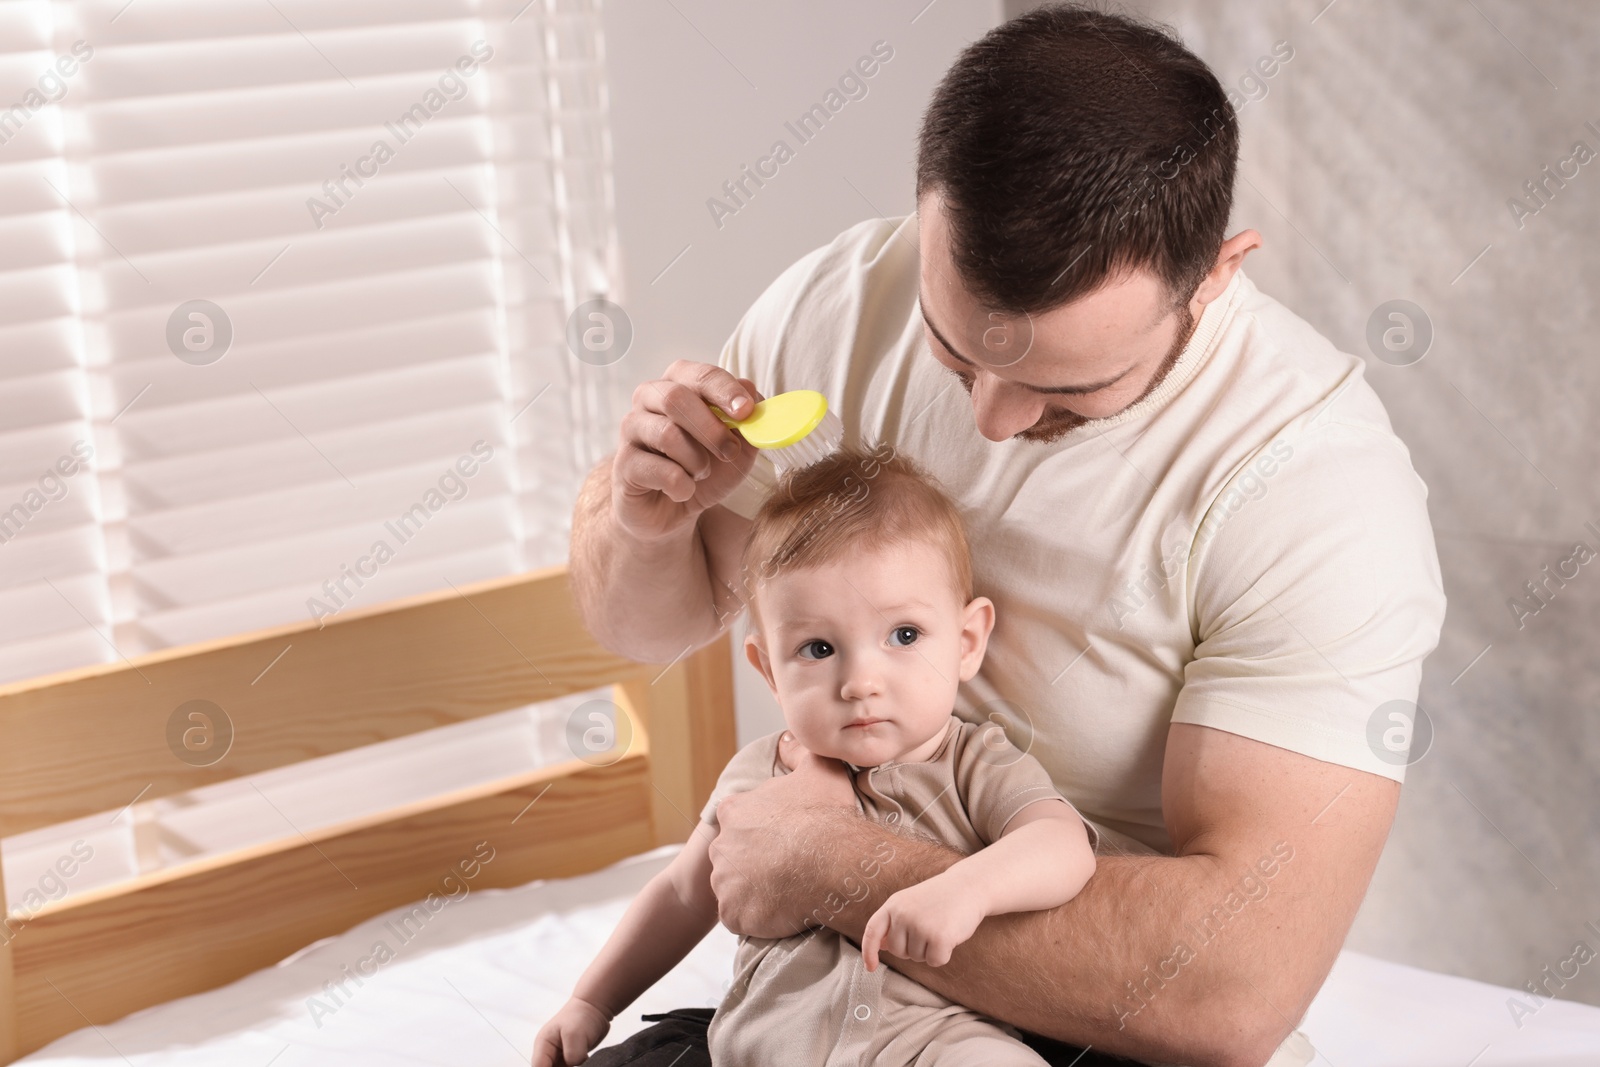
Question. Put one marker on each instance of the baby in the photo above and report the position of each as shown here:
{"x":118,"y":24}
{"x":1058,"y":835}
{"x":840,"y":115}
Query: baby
{"x":863,"y":623}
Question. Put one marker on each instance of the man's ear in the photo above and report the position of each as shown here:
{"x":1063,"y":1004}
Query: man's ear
{"x":756,"y":653}
{"x":976,"y":625}
{"x":1230,"y":257}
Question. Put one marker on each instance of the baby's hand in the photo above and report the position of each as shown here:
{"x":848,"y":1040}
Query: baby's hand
{"x":565,"y":1041}
{"x":924,"y":922}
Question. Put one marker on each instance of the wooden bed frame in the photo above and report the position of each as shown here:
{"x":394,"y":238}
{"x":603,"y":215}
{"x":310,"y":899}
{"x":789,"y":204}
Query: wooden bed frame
{"x":95,"y":740}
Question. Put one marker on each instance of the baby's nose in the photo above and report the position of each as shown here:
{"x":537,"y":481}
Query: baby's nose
{"x":861,"y":682}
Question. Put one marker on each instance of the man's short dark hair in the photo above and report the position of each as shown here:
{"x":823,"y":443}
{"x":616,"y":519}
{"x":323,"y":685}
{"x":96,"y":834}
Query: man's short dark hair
{"x":1070,"y":146}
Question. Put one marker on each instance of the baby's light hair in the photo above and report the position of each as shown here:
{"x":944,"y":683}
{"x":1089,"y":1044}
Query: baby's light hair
{"x":849,"y":502}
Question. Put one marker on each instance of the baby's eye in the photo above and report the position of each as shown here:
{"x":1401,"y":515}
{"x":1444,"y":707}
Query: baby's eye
{"x":825,"y":649}
{"x":902,"y":630}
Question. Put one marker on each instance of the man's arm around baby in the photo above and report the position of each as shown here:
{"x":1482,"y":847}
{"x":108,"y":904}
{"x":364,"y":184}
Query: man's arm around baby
{"x":1159,"y":958}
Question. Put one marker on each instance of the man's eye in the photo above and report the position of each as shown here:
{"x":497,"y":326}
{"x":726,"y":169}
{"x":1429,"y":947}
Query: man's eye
{"x":824,"y":649}
{"x":902,"y":630}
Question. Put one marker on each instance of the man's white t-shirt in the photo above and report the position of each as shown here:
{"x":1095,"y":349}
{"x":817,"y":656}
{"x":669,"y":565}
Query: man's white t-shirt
{"x":1246,"y":548}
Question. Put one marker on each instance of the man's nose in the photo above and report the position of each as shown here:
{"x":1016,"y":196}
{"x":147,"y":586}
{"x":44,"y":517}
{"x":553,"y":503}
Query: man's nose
{"x":1002,"y":411}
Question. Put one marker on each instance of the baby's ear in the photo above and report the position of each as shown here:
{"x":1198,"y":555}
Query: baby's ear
{"x":977,"y":625}
{"x":756,"y":653}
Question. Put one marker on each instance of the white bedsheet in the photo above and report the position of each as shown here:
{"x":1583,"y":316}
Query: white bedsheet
{"x":476,"y":983}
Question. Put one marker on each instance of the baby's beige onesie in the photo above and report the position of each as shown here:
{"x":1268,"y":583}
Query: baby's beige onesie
{"x":808,"y":1000}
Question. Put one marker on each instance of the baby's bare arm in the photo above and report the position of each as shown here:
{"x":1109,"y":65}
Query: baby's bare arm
{"x":1041,"y":861}
{"x":669,"y":917}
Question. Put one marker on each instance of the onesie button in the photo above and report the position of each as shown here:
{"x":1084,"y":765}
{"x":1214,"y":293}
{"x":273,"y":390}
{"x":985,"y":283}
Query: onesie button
{"x":863,"y":1012}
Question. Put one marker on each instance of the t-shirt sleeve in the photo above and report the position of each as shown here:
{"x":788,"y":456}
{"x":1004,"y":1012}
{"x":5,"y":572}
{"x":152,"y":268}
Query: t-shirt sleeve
{"x":753,"y":351}
{"x":997,"y":779}
{"x":1315,"y":596}
{"x":749,"y":767}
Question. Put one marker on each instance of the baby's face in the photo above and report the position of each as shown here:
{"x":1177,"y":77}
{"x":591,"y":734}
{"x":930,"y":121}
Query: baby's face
{"x":864,"y":655}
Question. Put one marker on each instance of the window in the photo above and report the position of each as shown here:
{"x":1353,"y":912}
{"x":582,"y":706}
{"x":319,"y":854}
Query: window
{"x":295,"y":277}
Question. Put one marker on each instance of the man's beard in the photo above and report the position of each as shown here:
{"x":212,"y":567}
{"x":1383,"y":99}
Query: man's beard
{"x":1053,"y":427}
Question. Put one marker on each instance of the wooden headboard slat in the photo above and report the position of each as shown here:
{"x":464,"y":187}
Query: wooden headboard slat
{"x":92,"y":741}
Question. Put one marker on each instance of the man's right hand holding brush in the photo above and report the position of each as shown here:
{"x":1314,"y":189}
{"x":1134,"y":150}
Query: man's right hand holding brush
{"x":676,"y":458}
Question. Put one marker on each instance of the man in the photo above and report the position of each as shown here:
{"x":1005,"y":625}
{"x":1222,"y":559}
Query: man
{"x":1211,"y":560}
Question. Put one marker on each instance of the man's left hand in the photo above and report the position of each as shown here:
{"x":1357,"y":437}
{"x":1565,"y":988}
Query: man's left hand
{"x":758,"y":860}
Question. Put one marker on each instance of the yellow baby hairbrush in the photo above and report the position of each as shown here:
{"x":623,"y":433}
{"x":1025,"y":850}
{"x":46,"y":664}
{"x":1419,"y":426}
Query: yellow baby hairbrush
{"x":795,"y":428}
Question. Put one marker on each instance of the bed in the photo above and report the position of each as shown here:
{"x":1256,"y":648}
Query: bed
{"x":266,"y":951}
{"x":130,"y":736}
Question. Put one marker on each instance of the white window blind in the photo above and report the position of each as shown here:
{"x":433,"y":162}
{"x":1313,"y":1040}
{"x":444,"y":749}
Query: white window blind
{"x":390,"y":208}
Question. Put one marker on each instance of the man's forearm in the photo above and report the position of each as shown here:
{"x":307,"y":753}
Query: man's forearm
{"x":641,"y":600}
{"x":1079,"y":972}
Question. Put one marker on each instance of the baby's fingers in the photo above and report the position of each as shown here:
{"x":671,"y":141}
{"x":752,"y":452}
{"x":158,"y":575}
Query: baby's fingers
{"x":872,"y":938}
{"x":791,"y":751}
{"x":547,"y":1049}
{"x":574,"y":1049}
